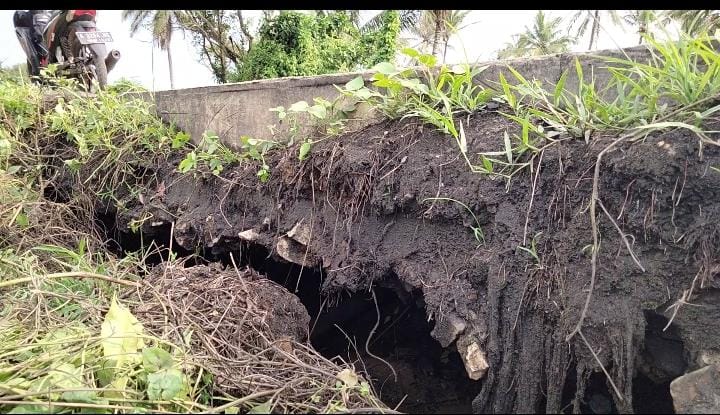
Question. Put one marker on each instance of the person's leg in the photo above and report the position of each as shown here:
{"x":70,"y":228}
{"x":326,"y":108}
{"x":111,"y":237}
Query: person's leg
{"x":22,"y":21}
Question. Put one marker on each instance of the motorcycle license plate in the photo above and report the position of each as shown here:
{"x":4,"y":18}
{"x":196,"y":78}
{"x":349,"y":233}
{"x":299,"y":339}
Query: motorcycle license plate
{"x":87,"y":38}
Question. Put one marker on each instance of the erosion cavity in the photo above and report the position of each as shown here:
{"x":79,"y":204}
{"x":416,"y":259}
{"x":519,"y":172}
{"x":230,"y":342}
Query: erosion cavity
{"x":376,"y":329}
{"x":662,"y":360}
{"x":386,"y":333}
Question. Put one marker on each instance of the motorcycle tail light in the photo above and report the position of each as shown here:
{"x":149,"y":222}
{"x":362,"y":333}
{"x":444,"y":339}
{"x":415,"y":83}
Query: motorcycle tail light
{"x":74,"y":14}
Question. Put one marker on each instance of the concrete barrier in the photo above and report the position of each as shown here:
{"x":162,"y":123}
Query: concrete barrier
{"x":233,"y":110}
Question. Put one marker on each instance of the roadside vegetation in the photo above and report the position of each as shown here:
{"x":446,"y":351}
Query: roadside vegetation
{"x":81,"y":328}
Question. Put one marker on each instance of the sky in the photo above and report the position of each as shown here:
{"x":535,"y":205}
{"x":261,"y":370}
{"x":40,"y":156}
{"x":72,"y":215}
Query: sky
{"x":484,"y":32}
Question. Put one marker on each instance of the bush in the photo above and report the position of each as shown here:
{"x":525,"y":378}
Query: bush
{"x":296,"y":44}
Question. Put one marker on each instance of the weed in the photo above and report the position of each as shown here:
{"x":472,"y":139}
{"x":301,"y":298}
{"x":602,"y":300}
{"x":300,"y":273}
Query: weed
{"x":433,"y":96}
{"x":532,"y":250}
{"x":211,"y":155}
{"x":680,"y":76}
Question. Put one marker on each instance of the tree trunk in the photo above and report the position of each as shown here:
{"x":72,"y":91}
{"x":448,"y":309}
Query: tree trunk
{"x":439,"y":25}
{"x":594,"y":29}
{"x":435,"y":36}
{"x":170,"y":67}
{"x":445,"y":51}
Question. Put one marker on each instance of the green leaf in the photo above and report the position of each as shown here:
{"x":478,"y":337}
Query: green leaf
{"x":73,"y":164}
{"x":355,"y":84}
{"x":34,"y":409}
{"x":579,"y":71}
{"x":181,"y":138}
{"x":560,"y":87}
{"x":518,"y":76}
{"x":263,"y":408}
{"x":166,"y":385}
{"x":62,"y":376}
{"x":22,"y":220}
{"x":300,"y":106}
{"x":155,"y":359}
{"x":459,"y":69}
{"x":86,"y":396}
{"x":427,"y":60}
{"x":264,"y":174}
{"x":318,"y":111}
{"x":410,"y":52}
{"x":385,"y":68}
{"x":509,"y":96}
{"x":462,"y":139}
{"x":478,"y":234}
{"x":508,"y":147}
{"x":188,"y":163}
{"x":305,"y":150}
{"x":487,"y":164}
{"x":364,"y":93}
{"x":121,"y":335}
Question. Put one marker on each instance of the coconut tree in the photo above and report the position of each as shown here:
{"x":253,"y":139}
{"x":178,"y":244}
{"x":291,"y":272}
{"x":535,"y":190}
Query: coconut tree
{"x":694,"y":22}
{"x":643,"y":20}
{"x":408,"y":19}
{"x":436,"y":27}
{"x":161,"y":24}
{"x":546,"y":36}
{"x":592,"y":18}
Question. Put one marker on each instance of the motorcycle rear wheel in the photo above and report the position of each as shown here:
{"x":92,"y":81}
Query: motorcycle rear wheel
{"x":98,"y":71}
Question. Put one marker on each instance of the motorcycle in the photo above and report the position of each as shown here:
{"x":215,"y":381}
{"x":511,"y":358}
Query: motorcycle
{"x":69,"y":39}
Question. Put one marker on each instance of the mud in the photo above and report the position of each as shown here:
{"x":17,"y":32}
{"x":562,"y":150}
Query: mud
{"x":357,"y":216}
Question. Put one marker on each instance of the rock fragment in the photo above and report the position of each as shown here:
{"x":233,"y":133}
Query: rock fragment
{"x":697,"y":392}
{"x":473,"y":356}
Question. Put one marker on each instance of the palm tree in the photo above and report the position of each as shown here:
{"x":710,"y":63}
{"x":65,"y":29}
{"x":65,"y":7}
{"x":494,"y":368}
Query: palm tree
{"x":592,"y":18}
{"x":694,"y":22}
{"x":436,"y":27}
{"x":545,"y":37}
{"x":161,"y":24}
{"x":408,"y":19}
{"x":643,"y":19}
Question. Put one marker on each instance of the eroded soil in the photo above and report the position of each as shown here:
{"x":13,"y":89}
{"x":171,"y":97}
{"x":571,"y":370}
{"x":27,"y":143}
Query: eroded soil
{"x":364,"y":221}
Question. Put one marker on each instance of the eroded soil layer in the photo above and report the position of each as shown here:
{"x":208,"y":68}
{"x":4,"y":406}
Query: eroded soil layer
{"x":355,"y":214}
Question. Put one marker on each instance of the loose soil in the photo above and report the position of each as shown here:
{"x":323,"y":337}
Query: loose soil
{"x":365,"y":227}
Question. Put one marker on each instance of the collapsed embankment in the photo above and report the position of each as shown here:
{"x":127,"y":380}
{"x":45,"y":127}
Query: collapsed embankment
{"x":351,"y":231}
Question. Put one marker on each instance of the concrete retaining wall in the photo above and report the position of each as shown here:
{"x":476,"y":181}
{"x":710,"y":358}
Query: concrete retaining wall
{"x":233,"y":110}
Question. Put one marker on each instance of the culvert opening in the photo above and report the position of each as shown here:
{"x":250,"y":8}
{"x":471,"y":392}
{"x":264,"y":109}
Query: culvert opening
{"x":430,"y":379}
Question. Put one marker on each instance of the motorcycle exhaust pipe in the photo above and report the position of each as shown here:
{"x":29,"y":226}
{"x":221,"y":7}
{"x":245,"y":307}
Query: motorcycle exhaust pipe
{"x":112,"y":59}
